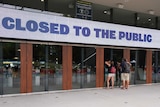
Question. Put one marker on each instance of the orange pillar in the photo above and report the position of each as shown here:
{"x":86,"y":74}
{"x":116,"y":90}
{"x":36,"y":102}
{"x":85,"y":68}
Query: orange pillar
{"x":23,"y":69}
{"x":99,"y":67}
{"x":148,"y":66}
{"x":67,"y":67}
{"x":26,"y":68}
{"x":126,"y":54}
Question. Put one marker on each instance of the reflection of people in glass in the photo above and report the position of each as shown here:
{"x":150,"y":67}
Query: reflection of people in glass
{"x":8,"y":71}
{"x":118,"y":74}
{"x":8,"y":74}
{"x":111,"y":75}
{"x":37,"y":76}
{"x":15,"y":71}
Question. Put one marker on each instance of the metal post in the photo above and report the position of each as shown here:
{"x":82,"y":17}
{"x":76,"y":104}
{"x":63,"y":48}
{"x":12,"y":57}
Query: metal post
{"x":156,"y":66}
{"x":82,"y":64}
{"x":156,"y":54}
{"x":111,"y":57}
{"x":46,"y":71}
{"x":136,"y":67}
{"x":1,"y":73}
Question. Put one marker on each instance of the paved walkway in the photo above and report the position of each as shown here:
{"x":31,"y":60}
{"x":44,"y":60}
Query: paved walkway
{"x":135,"y":96}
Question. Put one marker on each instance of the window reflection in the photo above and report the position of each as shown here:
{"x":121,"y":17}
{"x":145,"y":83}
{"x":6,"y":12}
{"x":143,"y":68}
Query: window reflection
{"x":9,"y":68}
{"x":47,"y":67}
{"x":156,"y":67}
{"x":84,"y":70}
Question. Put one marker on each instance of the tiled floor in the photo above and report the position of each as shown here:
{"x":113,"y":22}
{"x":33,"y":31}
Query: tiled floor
{"x":135,"y":96}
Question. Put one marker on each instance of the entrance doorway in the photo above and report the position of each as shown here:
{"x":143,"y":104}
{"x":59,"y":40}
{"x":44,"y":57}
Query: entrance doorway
{"x":156,"y":67}
{"x":84,"y":67}
{"x":47,"y":67}
{"x":138,"y":69}
{"x":116,"y":55}
{"x":9,"y":68}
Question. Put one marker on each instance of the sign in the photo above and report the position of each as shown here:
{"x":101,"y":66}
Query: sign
{"x":83,"y":10}
{"x":20,"y":24}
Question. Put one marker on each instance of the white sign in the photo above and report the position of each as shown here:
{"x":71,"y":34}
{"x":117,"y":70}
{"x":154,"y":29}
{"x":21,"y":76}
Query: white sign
{"x":38,"y":26}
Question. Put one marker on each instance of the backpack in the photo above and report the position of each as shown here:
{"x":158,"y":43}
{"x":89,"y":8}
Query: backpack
{"x":113,"y":69}
{"x":127,"y":67}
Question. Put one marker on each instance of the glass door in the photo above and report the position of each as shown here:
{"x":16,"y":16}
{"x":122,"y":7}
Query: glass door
{"x":84,"y":67}
{"x":47,"y":67}
{"x":9,"y":68}
{"x":138,"y":73}
{"x":116,"y":55}
{"x":156,"y":67}
{"x":1,"y":69}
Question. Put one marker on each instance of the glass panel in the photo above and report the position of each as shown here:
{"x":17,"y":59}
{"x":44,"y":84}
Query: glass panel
{"x":84,"y":72}
{"x":1,"y":69}
{"x":115,"y":55}
{"x":133,"y":67}
{"x":47,"y":67}
{"x":156,"y":67}
{"x":9,"y":68}
{"x":138,"y":74}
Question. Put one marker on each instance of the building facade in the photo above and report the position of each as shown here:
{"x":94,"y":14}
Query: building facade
{"x":40,"y":51}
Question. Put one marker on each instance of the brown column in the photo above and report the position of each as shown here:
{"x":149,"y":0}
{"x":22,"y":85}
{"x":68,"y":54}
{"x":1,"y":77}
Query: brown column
{"x":23,"y":69}
{"x":67,"y":67}
{"x":99,"y":67}
{"x":26,"y":68}
{"x":126,"y":54}
{"x":149,"y":66}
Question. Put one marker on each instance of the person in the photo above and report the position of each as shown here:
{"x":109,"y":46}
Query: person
{"x":111,"y":73}
{"x":118,"y":74}
{"x":125,"y":70}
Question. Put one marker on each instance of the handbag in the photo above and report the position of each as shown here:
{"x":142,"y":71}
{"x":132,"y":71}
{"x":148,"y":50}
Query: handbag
{"x":113,"y":69}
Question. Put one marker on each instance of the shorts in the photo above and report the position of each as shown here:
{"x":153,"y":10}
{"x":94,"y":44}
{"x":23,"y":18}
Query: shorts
{"x":111,"y":74}
{"x":125,"y":76}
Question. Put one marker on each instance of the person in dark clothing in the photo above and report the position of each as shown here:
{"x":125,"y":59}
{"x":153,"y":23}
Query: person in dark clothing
{"x":125,"y":71}
{"x":118,"y":74}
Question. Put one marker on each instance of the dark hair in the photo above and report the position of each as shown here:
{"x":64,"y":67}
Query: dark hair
{"x":123,"y":59}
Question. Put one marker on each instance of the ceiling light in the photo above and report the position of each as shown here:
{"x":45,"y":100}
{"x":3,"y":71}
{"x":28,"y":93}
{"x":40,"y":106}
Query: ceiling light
{"x":151,"y":12}
{"x":71,"y":6}
{"x":15,"y":57}
{"x":68,"y":15}
{"x":138,"y":18}
{"x":19,"y":50}
{"x":120,"y":5}
{"x":107,"y":12}
{"x":149,"y":19}
{"x":42,"y":0}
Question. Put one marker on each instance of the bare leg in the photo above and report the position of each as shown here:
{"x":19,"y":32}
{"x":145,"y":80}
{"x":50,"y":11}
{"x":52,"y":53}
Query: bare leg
{"x":123,"y":84}
{"x":127,"y":84}
{"x":112,"y":81}
{"x":108,"y":78}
